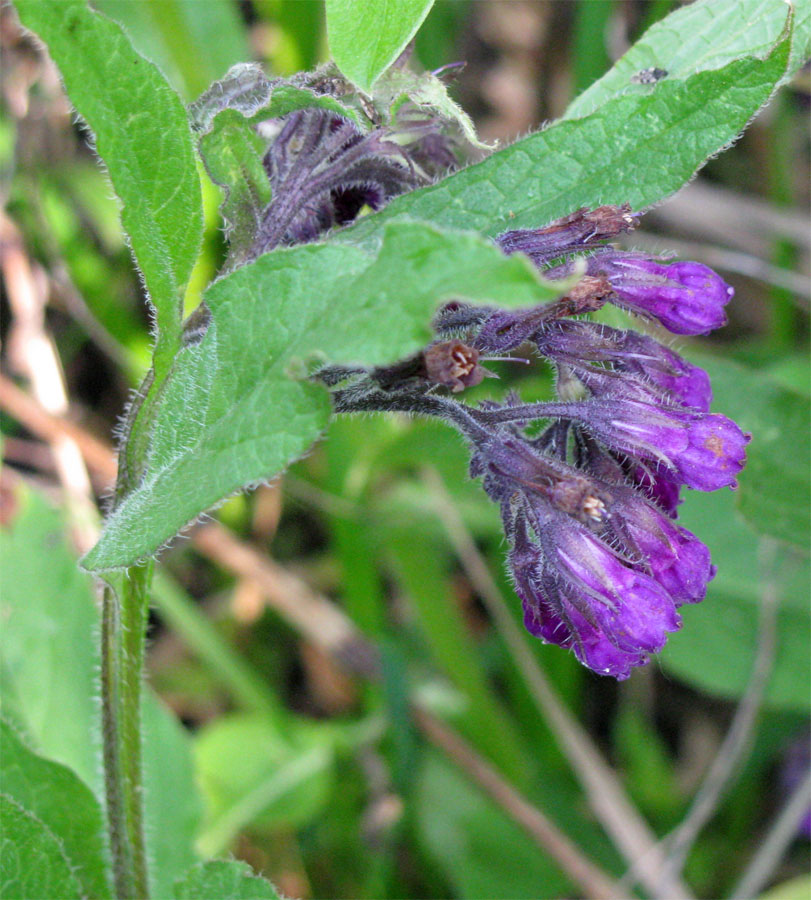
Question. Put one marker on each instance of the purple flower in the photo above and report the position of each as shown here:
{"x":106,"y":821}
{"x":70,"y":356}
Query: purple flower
{"x":702,"y":450}
{"x":675,"y":556}
{"x":686,"y":297}
{"x":322,"y":171}
{"x":682,"y":382}
{"x":655,"y":482}
{"x":578,"y":594}
{"x":588,"y":503}
{"x":598,"y":568}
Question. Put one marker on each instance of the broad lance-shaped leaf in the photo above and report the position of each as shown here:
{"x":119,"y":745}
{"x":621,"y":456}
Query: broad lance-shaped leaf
{"x":63,"y":803}
{"x":232,"y":413}
{"x":223,"y":880}
{"x":636,"y":149}
{"x":143,"y":137}
{"x":687,"y":41}
{"x":365,"y":39}
{"x":32,"y":860}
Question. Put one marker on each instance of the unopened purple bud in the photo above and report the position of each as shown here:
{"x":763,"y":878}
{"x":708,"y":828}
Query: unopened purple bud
{"x":683,"y":382}
{"x":686,"y":297}
{"x":577,"y":231}
{"x":663,"y":372}
{"x":704,"y":451}
{"x":675,"y":557}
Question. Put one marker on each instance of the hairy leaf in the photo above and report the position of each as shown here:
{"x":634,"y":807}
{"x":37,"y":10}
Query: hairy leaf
{"x":191,"y":42}
{"x":232,"y":415}
{"x":636,"y":149}
{"x":232,"y":153}
{"x":142,"y":136}
{"x":246,"y":89}
{"x":223,"y":880}
{"x":54,"y":682}
{"x":706,"y":35}
{"x":32,"y":861}
{"x":63,"y":803}
{"x":365,"y":39}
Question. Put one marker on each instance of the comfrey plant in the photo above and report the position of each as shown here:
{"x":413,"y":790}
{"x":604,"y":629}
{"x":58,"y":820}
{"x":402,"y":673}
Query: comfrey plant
{"x":367,"y":271}
{"x":589,"y":504}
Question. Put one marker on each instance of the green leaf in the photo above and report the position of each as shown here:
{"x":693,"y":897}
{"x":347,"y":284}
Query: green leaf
{"x":636,"y":149}
{"x":250,"y":773}
{"x":706,"y":35}
{"x":142,"y":136}
{"x":221,"y":880}
{"x":232,"y":415}
{"x":173,"y":806}
{"x":65,"y":805}
{"x":426,"y":91}
{"x":232,"y":154}
{"x":49,"y":656}
{"x":795,"y":889}
{"x":246,"y":89}
{"x":191,"y":42}
{"x":32,"y":861}
{"x":365,"y":39}
{"x":716,"y":647}
{"x":775,"y":486}
{"x":47,"y":640}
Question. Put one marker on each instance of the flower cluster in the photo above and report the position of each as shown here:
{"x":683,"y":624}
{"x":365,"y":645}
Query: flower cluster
{"x":588,"y":503}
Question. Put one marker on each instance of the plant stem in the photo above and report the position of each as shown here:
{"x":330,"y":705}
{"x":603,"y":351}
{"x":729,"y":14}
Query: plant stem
{"x":113,"y":776}
{"x":122,"y":655}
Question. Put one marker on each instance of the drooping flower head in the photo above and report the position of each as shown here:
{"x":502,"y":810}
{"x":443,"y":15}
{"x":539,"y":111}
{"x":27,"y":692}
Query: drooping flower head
{"x":588,"y":504}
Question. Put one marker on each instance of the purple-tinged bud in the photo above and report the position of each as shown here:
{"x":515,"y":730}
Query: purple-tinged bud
{"x":578,"y":594}
{"x":686,"y":297}
{"x":663,"y":372}
{"x":704,"y":451}
{"x":683,"y":382}
{"x":322,"y":171}
{"x":674,"y":556}
{"x":577,"y":231}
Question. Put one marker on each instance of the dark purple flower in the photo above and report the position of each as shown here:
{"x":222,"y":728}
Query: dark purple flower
{"x":702,"y":450}
{"x":578,"y":594}
{"x":322,"y":171}
{"x":674,"y":556}
{"x":686,"y":297}
{"x":682,"y":382}
{"x":656,"y":483}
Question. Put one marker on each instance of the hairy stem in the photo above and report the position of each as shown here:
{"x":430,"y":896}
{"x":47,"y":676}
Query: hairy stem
{"x":122,"y":654}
